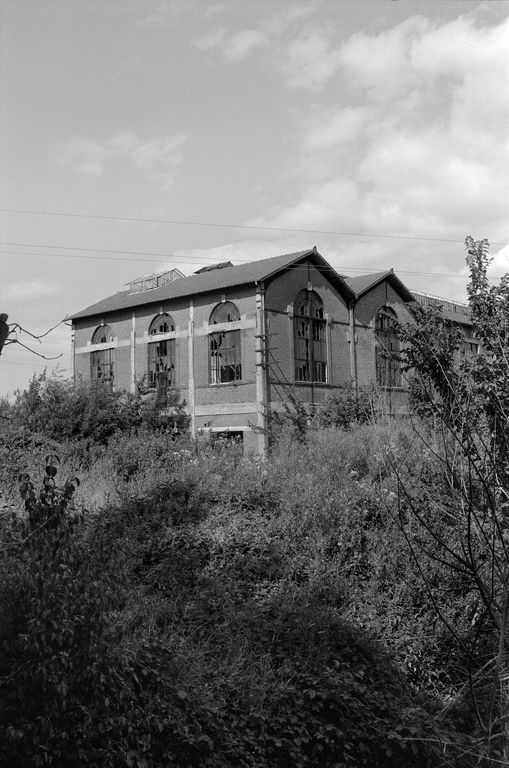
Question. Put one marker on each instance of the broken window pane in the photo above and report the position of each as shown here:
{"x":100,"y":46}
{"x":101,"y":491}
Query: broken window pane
{"x":388,"y":373}
{"x":101,"y":360}
{"x":161,"y":356}
{"x":225,"y":362}
{"x":310,"y":338}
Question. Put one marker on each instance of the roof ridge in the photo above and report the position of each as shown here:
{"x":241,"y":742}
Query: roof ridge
{"x":237,"y":274}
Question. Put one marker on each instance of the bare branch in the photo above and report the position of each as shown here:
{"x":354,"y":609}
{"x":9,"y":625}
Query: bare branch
{"x":44,"y":357}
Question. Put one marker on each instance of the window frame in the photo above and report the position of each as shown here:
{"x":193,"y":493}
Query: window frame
{"x":387,"y":349}
{"x":310,"y":348}
{"x":470,"y":348}
{"x":161,"y":375}
{"x":102,"y":364}
{"x":225,"y":345}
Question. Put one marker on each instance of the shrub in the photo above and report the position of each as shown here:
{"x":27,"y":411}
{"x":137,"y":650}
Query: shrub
{"x":230,"y":611}
{"x":347,"y":406}
{"x":63,"y":410}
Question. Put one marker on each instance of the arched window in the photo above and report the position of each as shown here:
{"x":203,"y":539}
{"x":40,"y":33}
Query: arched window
{"x":101,"y":360}
{"x":161,"y":356}
{"x":310,"y":338}
{"x":162,"y":323}
{"x":102,"y":335}
{"x":225,"y":363}
{"x":388,"y":373}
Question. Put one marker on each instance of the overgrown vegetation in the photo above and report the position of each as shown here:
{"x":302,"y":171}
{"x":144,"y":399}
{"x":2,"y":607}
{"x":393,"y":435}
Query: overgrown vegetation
{"x":339,"y":605}
{"x":468,"y":402}
{"x":61,"y":410}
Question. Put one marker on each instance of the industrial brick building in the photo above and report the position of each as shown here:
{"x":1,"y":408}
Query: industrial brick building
{"x":234,"y":339}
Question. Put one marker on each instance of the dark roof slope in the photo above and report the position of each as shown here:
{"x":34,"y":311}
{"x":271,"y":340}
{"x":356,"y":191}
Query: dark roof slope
{"x":364,"y":283}
{"x":214,"y":280}
{"x":212,"y":267}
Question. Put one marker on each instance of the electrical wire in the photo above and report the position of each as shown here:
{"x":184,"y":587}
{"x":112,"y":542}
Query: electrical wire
{"x":186,"y":222}
{"x":181,"y":260}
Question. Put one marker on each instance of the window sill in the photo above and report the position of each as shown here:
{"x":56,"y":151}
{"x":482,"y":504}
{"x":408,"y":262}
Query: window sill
{"x":228,"y":384}
{"x":325,"y":384}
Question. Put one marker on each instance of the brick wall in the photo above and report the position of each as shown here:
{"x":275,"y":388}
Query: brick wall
{"x":233,"y":405}
{"x":211,"y":400}
{"x":392,"y":402}
{"x":279,"y":299}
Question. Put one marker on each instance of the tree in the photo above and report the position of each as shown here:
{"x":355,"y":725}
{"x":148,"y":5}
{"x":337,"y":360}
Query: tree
{"x":466,"y":513}
{"x":4,"y":330}
{"x":8,"y":331}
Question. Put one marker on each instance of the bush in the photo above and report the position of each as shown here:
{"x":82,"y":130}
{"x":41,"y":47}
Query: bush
{"x":229,"y":611}
{"x":63,"y":410}
{"x":346,"y":407}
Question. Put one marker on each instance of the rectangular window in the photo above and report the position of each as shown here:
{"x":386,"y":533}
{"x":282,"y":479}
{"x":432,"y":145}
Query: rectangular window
{"x":301,"y":349}
{"x":310,"y":349}
{"x":319,"y":328}
{"x":225,"y":360}
{"x":388,"y":370}
{"x":161,"y":363}
{"x":101,"y":366}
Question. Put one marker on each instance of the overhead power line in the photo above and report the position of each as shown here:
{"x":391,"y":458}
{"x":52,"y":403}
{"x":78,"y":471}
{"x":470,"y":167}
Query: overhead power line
{"x":259,"y":227}
{"x":200,"y":260}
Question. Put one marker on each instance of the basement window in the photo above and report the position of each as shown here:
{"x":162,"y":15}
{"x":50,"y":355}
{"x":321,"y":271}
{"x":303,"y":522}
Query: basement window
{"x":235,"y":437}
{"x":310,"y":338}
{"x":470,"y":348}
{"x":387,"y":350}
{"x":225,"y":363}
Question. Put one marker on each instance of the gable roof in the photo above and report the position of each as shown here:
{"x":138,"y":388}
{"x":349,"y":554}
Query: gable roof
{"x":364,"y":283}
{"x":214,"y":280}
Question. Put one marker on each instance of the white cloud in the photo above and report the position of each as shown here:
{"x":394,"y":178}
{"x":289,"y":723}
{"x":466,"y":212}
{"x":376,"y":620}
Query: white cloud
{"x":210,"y":39}
{"x":406,"y":150}
{"x":164,"y":14}
{"x":157,"y":158}
{"x":416,"y":144}
{"x":85,"y":156}
{"x":214,"y":10}
{"x":336,"y":127}
{"x":234,"y":47}
{"x":310,"y":61}
{"x":24,"y":290}
{"x":381,"y":63}
{"x":240,"y":45}
{"x":272,"y":28}
{"x":500,"y":264}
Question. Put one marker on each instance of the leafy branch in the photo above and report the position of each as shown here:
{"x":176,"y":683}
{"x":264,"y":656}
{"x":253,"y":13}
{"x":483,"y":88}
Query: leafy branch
{"x":7,"y":330}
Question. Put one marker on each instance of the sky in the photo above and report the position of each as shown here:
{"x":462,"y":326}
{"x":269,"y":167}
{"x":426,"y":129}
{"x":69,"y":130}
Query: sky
{"x":141,"y":135}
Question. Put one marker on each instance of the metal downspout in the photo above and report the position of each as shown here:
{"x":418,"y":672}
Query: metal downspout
{"x":261,"y":371}
{"x":192,"y":404}
{"x":353,"y":347}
